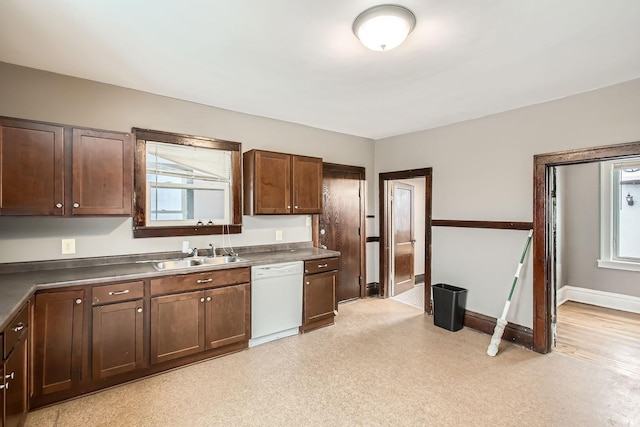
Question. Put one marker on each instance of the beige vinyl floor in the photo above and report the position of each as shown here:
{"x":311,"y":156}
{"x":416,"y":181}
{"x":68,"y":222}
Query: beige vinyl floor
{"x":384,"y":363}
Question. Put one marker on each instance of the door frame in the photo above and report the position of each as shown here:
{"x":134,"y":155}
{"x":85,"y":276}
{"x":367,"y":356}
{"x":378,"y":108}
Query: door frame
{"x":542,"y":164}
{"x":384,"y":226}
{"x":315,"y":229}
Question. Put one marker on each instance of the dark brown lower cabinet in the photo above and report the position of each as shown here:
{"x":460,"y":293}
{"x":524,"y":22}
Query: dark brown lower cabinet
{"x":177,"y":326}
{"x":117,"y":339}
{"x":319,"y":294}
{"x":58,"y":342}
{"x":228,"y":314}
{"x":193,"y":322}
{"x":16,"y":402}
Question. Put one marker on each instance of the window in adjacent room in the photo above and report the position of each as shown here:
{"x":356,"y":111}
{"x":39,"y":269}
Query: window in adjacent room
{"x":620,"y":214}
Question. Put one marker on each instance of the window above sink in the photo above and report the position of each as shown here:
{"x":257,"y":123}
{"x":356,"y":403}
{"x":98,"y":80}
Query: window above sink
{"x":186,"y":185}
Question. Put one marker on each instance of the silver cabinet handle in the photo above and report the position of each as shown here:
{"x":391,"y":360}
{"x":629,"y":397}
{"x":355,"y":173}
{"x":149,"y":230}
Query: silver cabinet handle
{"x":10,"y":376}
{"x":19,"y":327}
{"x":58,"y":205}
{"x":205,"y":280}
{"x":126,"y":291}
{"x":139,"y":309}
{"x":296,"y":206}
{"x":208,"y":298}
{"x":76,"y":205}
{"x":79,"y":301}
{"x":202,"y":299}
{"x":307,"y":283}
{"x":3,"y":386}
{"x":289,"y":207}
{"x":323,"y":265}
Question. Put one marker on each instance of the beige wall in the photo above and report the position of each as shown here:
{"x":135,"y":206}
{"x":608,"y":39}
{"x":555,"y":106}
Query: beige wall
{"x":482,"y":170}
{"x":32,"y":94}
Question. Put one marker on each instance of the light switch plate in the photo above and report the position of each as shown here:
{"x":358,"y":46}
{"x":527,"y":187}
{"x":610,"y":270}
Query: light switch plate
{"x":68,"y":246}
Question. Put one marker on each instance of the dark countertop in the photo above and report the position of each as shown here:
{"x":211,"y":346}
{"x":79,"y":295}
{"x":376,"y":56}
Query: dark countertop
{"x":17,"y":287}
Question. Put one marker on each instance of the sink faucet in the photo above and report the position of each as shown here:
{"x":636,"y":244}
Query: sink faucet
{"x":213,"y":250}
{"x":192,"y":252}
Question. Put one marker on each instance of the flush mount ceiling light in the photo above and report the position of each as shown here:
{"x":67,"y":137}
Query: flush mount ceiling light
{"x":384,"y":27}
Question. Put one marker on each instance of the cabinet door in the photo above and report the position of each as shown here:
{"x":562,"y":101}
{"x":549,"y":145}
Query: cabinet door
{"x":58,"y":323}
{"x":102,"y":173}
{"x":16,"y":385}
{"x":307,"y":185}
{"x":228,"y":312}
{"x":177,"y":326}
{"x":31,"y":168}
{"x":272,"y":183}
{"x":118,"y":333}
{"x":319,"y":296}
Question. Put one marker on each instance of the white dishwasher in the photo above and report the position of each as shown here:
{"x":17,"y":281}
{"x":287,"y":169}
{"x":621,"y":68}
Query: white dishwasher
{"x":276,"y":301}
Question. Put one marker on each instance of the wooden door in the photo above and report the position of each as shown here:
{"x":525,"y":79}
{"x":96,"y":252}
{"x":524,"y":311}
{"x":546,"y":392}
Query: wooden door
{"x":306,"y":184}
{"x":341,"y":225}
{"x":31,"y":168}
{"x":403,"y":240}
{"x":15,"y":382}
{"x":102,"y":173}
{"x":228,"y":313}
{"x":272,"y":183}
{"x":319,"y":296}
{"x":58,"y":328}
{"x":118,"y":333}
{"x":177,"y":326}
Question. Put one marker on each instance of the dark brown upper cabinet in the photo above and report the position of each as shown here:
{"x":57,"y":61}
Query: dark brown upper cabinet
{"x":102,"y":173}
{"x":186,"y":185}
{"x":281,"y":184}
{"x":48,"y":169}
{"x":31,"y":168}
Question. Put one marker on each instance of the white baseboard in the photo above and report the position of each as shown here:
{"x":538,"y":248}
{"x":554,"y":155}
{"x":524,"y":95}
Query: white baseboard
{"x":599,"y":298}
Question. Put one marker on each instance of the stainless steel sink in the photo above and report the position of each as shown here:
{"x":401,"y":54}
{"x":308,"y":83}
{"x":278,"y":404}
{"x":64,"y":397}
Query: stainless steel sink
{"x":221,"y":260}
{"x":176,"y":264}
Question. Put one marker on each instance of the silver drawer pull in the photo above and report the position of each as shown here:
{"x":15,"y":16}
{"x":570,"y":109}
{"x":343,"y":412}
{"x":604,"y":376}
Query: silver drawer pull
{"x":126,"y":291}
{"x":2,"y":386}
{"x":205,"y":280}
{"x":19,"y":327}
{"x":10,"y":376}
{"x":323,"y":265}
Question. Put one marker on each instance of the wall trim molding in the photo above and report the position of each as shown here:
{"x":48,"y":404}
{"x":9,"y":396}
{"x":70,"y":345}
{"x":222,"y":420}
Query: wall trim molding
{"x":598,"y":298}
{"x":515,"y":333}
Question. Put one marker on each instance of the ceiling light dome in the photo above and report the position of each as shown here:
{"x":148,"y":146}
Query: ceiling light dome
{"x":384,"y":27}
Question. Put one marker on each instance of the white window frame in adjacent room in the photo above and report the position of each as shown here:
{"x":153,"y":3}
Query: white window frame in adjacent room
{"x":609,"y":199}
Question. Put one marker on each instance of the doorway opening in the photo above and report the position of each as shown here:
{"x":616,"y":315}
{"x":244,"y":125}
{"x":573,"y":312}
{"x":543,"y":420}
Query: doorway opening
{"x":596,"y":303}
{"x":399,"y":245}
{"x":544,"y":274}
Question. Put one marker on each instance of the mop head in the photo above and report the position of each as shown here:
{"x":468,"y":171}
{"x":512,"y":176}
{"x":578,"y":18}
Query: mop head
{"x":497,"y":337}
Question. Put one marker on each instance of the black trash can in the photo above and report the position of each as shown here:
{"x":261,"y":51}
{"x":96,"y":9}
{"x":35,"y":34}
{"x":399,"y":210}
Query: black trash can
{"x":448,"y":306}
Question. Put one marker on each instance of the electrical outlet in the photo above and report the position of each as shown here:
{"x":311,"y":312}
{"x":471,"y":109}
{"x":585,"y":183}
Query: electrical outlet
{"x":68,"y":246}
{"x":278,"y":235}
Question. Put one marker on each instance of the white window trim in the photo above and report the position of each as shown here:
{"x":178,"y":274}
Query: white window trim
{"x":607,"y":251}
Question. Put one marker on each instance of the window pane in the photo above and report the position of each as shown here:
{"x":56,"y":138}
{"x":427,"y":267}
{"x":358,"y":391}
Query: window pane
{"x":628,"y":211}
{"x":189,"y":183}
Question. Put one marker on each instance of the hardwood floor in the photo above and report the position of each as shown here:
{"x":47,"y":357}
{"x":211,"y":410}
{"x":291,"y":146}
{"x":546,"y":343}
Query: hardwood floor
{"x":600,"y":335}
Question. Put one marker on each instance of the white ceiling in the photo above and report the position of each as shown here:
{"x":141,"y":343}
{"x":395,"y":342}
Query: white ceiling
{"x":298,"y":61}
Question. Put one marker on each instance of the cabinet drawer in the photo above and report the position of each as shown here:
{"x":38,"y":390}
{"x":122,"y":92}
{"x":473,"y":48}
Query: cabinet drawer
{"x":320,"y":265}
{"x":196,"y":281}
{"x":14,"y":331}
{"x":119,"y":292}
